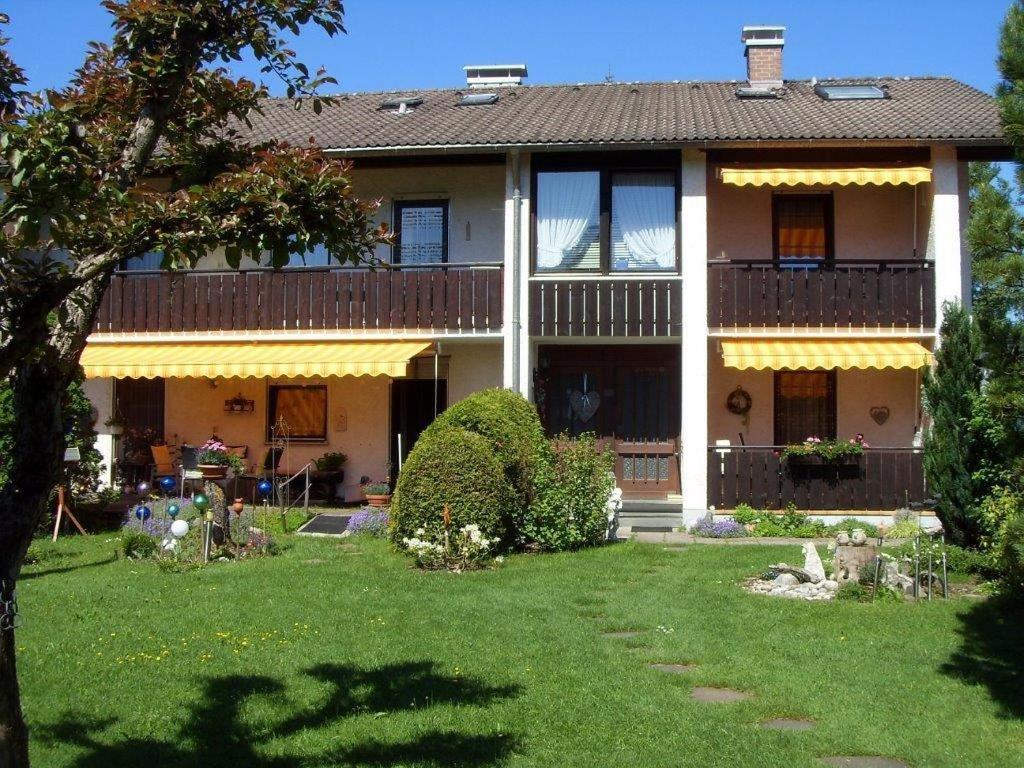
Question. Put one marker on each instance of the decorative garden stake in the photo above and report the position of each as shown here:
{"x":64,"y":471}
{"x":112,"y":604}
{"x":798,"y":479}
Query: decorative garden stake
{"x":143,"y":513}
{"x":202,"y":505}
{"x":263,"y":488}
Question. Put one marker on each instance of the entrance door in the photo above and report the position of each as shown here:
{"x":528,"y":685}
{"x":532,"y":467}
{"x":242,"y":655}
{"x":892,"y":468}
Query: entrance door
{"x":412,"y":411}
{"x":628,"y":397}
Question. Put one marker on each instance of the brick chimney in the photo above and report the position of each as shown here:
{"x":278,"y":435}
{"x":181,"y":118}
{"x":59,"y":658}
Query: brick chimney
{"x":764,"y":56}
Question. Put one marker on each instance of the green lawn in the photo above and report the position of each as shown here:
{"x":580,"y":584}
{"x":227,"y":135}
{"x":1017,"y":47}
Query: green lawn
{"x":339,"y":654}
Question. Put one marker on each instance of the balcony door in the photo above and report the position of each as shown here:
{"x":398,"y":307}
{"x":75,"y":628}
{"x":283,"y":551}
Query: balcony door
{"x":628,"y":397}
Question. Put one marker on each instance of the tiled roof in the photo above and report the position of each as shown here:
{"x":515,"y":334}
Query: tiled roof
{"x":927,"y":108}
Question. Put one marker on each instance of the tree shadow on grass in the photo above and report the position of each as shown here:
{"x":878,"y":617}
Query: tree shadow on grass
{"x":990,"y":653}
{"x":31,"y":573}
{"x":214,"y":735}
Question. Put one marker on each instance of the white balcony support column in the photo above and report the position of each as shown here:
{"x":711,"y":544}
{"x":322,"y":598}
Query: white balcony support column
{"x":101,"y":394}
{"x":946,"y":241}
{"x":525,"y":357}
{"x":694,"y":385}
{"x":515,"y":344}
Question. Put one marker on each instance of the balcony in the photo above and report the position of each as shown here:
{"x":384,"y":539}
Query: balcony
{"x":452,"y":298}
{"x":843,"y":294}
{"x":582,"y":307}
{"x":883,"y":479}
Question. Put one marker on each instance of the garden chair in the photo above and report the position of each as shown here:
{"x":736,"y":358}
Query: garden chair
{"x":190,"y":468}
{"x":163,"y":463}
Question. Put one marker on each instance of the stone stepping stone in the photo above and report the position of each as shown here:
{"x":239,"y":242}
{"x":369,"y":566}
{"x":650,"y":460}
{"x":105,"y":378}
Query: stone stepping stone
{"x":788,"y":724}
{"x":863,"y":762}
{"x":623,"y":635}
{"x":673,"y":669}
{"x":718,"y":695}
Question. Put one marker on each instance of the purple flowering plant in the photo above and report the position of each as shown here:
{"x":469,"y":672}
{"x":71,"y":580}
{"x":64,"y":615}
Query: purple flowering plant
{"x":718,"y":529}
{"x":370,"y":520}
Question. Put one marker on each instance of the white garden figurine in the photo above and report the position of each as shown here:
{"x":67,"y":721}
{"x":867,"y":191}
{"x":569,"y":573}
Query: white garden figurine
{"x":812,"y":563}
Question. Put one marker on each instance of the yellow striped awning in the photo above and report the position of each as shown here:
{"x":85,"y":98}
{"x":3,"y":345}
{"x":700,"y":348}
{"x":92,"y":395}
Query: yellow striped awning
{"x":246,"y":359}
{"x":809,"y":354}
{"x":777,"y":177}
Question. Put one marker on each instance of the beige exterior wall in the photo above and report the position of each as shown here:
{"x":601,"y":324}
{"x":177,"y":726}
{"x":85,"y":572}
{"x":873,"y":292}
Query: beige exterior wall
{"x":871,"y":222}
{"x":472,"y":367}
{"x":358,"y":412}
{"x":476,"y":206}
{"x":358,"y":415}
{"x":857,"y":391}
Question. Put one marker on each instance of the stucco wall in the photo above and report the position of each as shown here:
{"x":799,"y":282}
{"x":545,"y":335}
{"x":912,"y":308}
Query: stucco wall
{"x":476,"y":196}
{"x":857,"y":391}
{"x":194,"y":410}
{"x":472,"y":367}
{"x":871,"y":222}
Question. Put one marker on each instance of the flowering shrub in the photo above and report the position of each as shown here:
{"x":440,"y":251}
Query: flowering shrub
{"x":828,"y":450}
{"x":369,"y":520}
{"x":718,"y":529}
{"x":467,"y":549}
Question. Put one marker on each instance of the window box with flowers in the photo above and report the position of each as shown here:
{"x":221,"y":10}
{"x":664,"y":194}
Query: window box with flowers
{"x":817,"y":452}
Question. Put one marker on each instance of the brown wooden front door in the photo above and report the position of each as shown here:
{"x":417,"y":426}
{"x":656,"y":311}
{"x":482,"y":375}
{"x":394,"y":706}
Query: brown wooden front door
{"x":626,"y":395}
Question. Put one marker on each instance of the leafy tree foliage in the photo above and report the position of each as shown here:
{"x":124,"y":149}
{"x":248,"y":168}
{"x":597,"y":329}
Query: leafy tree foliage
{"x":146,"y":149}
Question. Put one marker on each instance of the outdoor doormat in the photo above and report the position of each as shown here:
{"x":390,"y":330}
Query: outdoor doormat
{"x":325,"y":525}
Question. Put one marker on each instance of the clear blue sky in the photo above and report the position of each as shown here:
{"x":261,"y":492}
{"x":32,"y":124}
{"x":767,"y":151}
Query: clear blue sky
{"x":404,"y":44}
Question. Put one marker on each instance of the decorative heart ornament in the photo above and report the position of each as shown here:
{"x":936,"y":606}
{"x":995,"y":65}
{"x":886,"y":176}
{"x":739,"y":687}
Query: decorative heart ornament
{"x":880,"y":413}
{"x":584,"y":404}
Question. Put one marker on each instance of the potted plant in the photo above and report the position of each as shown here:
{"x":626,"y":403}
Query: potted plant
{"x":116,"y":424}
{"x":329,"y":472}
{"x":377,"y":492}
{"x":213,"y":460}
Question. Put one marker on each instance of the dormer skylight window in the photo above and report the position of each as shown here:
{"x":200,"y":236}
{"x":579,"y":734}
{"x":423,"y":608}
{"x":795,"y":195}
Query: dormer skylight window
{"x":477,"y":99}
{"x":849,"y":92}
{"x":401,"y":104}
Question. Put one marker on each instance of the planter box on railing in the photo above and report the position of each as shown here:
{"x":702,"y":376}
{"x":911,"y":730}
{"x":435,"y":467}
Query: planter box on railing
{"x":883,"y":479}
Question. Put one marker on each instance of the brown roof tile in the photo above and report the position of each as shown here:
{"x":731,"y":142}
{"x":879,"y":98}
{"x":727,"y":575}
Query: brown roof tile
{"x":928,"y":108}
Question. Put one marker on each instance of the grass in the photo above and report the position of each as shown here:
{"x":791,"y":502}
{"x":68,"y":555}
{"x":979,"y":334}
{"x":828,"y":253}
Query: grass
{"x":337,"y":653}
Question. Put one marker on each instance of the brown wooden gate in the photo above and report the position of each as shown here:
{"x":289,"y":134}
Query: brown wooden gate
{"x":626,"y":395}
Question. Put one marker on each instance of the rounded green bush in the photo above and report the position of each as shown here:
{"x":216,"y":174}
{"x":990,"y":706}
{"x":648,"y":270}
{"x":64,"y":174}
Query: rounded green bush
{"x":512,"y":428}
{"x":453,"y":466}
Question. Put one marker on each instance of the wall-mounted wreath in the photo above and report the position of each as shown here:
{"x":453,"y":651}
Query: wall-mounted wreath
{"x":739,"y":402}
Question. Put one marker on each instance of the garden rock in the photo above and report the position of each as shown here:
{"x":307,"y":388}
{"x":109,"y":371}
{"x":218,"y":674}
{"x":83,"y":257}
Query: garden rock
{"x":786,"y":580}
{"x":812,"y":563}
{"x":801,"y":574}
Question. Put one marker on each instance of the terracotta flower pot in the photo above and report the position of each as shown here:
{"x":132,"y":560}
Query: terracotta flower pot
{"x":213,"y":471}
{"x":378,"y":499}
{"x":238,"y":506}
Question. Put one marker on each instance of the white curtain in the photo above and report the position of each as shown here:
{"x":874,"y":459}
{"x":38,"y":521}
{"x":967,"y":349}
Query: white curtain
{"x":644,"y":212}
{"x":567,"y":204}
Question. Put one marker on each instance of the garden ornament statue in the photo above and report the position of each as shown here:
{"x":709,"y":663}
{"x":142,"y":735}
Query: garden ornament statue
{"x":614,"y":506}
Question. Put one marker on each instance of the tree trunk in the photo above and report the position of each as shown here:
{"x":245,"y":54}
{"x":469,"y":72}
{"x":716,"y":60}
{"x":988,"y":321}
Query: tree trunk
{"x":38,"y":385}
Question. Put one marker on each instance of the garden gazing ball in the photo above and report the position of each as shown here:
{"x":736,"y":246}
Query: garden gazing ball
{"x":143,"y":512}
{"x":200,"y":501}
{"x":173,"y":509}
{"x":167,"y":483}
{"x":264,"y":487}
{"x":179,"y":528}
{"x":142,"y":487}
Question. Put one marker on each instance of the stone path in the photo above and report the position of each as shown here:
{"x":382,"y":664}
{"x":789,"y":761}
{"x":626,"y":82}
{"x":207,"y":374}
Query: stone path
{"x":678,"y":537}
{"x":788,"y":724}
{"x":718,"y":695}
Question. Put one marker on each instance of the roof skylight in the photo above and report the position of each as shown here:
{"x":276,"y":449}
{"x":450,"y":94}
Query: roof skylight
{"x":475,"y":99}
{"x":402,"y":104}
{"x":849,"y":92}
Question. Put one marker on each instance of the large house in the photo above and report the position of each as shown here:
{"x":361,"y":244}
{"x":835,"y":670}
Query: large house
{"x":700,"y":272}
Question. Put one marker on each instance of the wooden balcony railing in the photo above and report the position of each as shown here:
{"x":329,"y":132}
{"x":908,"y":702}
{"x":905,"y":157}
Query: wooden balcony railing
{"x":890,"y":294}
{"x":881,"y":479}
{"x":453,"y":297}
{"x":588,"y":307}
